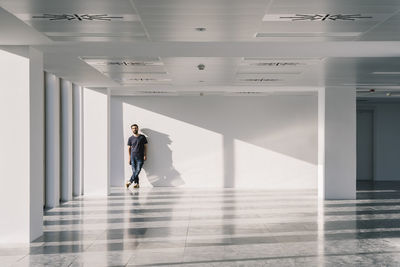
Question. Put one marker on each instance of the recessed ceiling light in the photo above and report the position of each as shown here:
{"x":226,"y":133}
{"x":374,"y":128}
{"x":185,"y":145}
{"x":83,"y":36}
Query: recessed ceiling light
{"x":201,"y":29}
{"x":201,"y":66}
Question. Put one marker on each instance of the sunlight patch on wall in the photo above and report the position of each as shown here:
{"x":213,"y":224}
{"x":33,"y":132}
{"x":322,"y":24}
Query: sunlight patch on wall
{"x":257,"y":167}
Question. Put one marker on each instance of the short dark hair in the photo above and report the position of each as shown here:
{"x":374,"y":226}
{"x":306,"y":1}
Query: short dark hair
{"x":134,"y":125}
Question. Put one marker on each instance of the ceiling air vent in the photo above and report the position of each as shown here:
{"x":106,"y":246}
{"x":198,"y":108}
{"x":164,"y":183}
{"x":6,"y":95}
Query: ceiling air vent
{"x":143,"y":80}
{"x":133,"y":63}
{"x":247,"y":93}
{"x":155,"y":92}
{"x":258,"y":80}
{"x":315,"y":17}
{"x":307,"y":34}
{"x":276,"y":64}
{"x":78,"y":17}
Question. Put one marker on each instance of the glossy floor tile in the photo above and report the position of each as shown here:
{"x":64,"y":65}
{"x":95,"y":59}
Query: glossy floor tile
{"x":218,"y":227}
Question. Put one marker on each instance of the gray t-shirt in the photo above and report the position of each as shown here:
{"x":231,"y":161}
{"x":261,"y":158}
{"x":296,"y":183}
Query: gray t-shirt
{"x":137,"y":145}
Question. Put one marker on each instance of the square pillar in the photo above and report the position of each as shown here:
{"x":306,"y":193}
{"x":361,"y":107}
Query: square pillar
{"x":22,"y":146}
{"x":52,"y":140}
{"x":96,"y":157}
{"x":77,"y":140}
{"x":66,"y":140}
{"x":337,"y":143}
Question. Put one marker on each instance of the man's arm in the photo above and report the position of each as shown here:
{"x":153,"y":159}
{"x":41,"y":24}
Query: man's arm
{"x":129,"y":150}
{"x":145,"y":152}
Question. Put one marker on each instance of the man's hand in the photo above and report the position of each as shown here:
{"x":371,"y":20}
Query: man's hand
{"x":144,"y":157}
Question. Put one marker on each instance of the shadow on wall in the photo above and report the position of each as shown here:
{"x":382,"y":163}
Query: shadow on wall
{"x":159,"y":167}
{"x":247,"y":142}
{"x":284,"y":124}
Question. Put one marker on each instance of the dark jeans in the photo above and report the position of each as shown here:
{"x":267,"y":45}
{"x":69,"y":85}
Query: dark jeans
{"x":136,"y":164}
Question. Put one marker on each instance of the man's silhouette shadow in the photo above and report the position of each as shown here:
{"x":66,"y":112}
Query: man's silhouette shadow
{"x":159,"y":166}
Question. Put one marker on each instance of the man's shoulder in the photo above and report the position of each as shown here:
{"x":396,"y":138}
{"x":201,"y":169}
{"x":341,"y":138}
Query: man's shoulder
{"x":131,"y":138}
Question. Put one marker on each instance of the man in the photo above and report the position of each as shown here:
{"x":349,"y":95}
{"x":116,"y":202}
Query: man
{"x":137,"y":154}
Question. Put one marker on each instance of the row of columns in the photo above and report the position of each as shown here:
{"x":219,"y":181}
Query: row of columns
{"x":63,"y":140}
{"x":77,"y":142}
{"x":55,"y":132}
{"x":42,"y":155}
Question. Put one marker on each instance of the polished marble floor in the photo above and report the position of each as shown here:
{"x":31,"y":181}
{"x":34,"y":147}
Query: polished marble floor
{"x":218,"y":227}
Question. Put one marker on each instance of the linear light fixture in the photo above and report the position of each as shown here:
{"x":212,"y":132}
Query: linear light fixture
{"x":96,"y":34}
{"x":386,"y":72}
{"x":307,"y":34}
{"x":284,"y":59}
{"x":370,"y":84}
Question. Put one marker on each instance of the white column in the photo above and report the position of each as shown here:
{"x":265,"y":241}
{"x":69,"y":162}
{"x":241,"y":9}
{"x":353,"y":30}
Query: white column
{"x":66,"y":140}
{"x":337,"y":142}
{"x":22,"y":146}
{"x":77,"y":140}
{"x":96,"y":142}
{"x":37,"y":132}
{"x":52,"y":140}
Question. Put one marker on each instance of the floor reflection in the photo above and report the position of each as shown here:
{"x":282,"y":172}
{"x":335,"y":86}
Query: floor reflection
{"x":227,"y":227}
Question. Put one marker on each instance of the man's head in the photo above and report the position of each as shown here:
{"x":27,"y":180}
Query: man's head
{"x":135,"y":128}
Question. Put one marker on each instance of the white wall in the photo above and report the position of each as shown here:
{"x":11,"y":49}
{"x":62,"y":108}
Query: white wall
{"x":386,"y":140}
{"x":215,"y":141}
{"x":95,"y":142}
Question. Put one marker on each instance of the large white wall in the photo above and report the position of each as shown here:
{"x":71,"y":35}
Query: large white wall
{"x":219,"y":141}
{"x":386,"y":140}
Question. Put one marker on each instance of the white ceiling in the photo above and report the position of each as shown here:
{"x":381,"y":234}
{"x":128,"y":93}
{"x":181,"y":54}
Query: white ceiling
{"x":255,"y":46}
